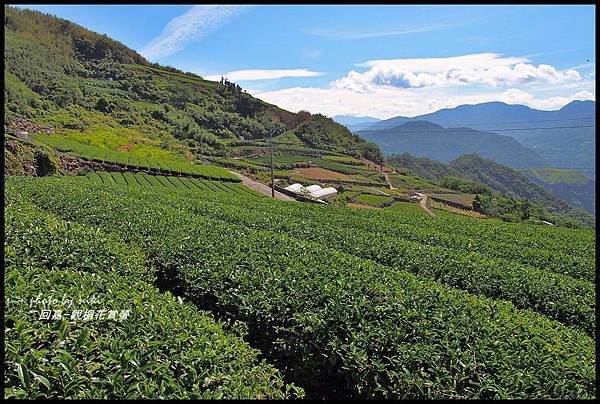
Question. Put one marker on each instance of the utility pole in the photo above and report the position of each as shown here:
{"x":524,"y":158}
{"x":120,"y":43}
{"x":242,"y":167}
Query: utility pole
{"x":201,"y":150}
{"x":272,"y":171}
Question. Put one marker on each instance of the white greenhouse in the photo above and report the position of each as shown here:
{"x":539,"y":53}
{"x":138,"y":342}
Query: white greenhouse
{"x":312,"y":188}
{"x":320,"y":193}
{"x":297,"y":188}
{"x":314,"y":191}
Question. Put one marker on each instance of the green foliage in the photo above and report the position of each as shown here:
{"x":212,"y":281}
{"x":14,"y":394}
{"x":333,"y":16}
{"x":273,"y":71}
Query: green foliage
{"x":345,"y":160}
{"x":324,"y":133}
{"x":287,"y":162}
{"x":503,"y":190}
{"x":373,"y":200}
{"x":568,"y":185}
{"x":139,"y":160}
{"x":60,"y":68}
{"x":409,"y":207}
{"x":556,"y":175}
{"x":465,"y":186}
{"x":133,"y":180}
{"x":369,"y":327}
{"x":165,"y":348}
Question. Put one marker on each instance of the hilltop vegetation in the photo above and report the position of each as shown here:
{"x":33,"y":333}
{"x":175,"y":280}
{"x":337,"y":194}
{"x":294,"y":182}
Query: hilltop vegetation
{"x":59,"y":73}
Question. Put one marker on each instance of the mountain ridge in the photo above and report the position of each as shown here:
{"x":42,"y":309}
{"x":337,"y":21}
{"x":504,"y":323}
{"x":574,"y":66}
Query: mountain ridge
{"x":426,"y":139}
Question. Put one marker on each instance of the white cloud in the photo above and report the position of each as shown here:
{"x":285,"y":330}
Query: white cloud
{"x":390,"y":102}
{"x":485,"y":69}
{"x":374,"y":34}
{"x":338,"y":34}
{"x":193,"y":25}
{"x":311,"y":53}
{"x":516,"y":96}
{"x":257,"y":74}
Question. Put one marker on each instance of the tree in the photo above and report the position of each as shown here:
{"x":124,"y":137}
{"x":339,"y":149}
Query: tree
{"x":103,"y":105}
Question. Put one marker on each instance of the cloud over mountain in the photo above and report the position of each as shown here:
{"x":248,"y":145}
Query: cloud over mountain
{"x":485,"y":69}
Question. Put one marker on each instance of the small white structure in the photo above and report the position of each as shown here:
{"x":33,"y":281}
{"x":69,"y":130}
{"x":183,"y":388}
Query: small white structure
{"x":312,"y":188}
{"x":323,"y":192}
{"x":314,"y":191}
{"x":547,"y":223}
{"x":297,"y":188}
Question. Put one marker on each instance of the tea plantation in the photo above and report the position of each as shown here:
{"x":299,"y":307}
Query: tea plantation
{"x":281,"y":300}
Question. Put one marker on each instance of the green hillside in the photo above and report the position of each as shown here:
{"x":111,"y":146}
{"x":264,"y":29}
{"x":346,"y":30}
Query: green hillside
{"x":505,"y":192}
{"x":81,"y":83}
{"x":556,"y":176}
{"x":569,"y":185}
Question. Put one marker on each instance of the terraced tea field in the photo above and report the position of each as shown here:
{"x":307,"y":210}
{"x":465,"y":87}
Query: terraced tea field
{"x":144,"y":180}
{"x":375,"y":304}
{"x":132,"y":161}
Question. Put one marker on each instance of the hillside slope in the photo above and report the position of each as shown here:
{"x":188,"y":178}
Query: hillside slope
{"x":571,"y":186}
{"x":78,"y":82}
{"x":472,"y":173}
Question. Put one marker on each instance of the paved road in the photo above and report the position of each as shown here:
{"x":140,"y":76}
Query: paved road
{"x":262,"y":188}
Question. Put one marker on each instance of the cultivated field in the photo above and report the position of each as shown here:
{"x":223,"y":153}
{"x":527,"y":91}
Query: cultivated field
{"x":373,"y":304}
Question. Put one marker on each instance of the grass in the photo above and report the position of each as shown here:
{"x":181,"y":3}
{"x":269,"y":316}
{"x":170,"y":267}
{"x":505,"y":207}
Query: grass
{"x":372,"y":200}
{"x":407,"y":207}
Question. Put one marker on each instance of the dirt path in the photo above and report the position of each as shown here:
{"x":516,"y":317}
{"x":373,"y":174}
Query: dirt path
{"x":262,"y":188}
{"x":387,"y":179}
{"x":423,"y":203}
{"x":381,"y":192}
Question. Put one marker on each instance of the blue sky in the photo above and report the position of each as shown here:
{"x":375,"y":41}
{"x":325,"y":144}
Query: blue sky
{"x":380,"y":61}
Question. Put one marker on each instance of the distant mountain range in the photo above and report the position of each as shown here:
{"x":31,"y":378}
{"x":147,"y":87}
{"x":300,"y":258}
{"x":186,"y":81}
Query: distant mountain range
{"x":426,"y":139}
{"x":355,"y":123}
{"x":563,"y":139}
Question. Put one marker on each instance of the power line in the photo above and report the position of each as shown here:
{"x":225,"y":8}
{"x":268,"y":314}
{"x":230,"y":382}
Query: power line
{"x":562,"y":168}
{"x":383,"y":130}
{"x":504,"y":123}
{"x":477,"y":124}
